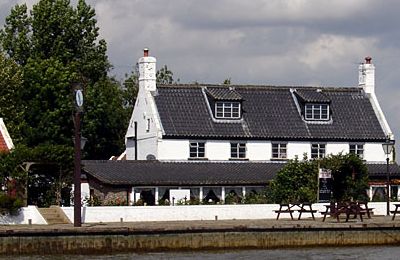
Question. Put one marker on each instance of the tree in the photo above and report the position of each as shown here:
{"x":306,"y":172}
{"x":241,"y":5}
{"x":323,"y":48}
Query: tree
{"x":11,"y":106}
{"x":56,"y":45}
{"x":164,"y":76}
{"x":350,"y":176}
{"x":32,"y":170}
{"x":227,"y":81}
{"x":297,"y":181}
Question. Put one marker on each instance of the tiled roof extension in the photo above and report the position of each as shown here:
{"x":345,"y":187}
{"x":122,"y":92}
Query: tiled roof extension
{"x":181,"y":173}
{"x":159,"y":173}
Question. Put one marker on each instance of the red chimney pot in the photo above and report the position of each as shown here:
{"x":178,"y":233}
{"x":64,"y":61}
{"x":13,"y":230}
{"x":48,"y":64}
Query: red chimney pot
{"x":368,"y":60}
{"x":145,"y":52}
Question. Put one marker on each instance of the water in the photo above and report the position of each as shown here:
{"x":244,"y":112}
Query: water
{"x":381,"y":253}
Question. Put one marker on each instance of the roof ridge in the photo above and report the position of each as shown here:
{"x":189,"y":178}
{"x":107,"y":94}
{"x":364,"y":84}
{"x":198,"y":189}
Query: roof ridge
{"x":259,"y":86}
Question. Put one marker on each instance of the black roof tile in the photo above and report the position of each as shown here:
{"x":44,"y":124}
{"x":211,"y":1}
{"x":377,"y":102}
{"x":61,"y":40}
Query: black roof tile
{"x":268,"y":113}
{"x":181,"y":173}
{"x":158,"y":173}
{"x":223,"y":93}
{"x":312,"y":95}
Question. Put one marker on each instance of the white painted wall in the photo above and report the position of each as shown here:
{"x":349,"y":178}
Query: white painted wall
{"x":336,"y":148}
{"x":197,"y":212}
{"x":219,"y":150}
{"x":298,"y":149}
{"x":373,"y":152}
{"x":26,"y":213}
{"x":173,"y":149}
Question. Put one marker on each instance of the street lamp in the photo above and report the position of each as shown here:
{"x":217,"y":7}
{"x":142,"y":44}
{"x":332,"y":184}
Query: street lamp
{"x":77,"y":87}
{"x":387,"y":148}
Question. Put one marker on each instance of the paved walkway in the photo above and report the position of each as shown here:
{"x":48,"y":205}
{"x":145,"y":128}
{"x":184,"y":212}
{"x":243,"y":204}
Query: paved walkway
{"x":198,"y":226}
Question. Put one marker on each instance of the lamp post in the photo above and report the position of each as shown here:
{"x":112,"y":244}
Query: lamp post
{"x":77,"y":152}
{"x":387,"y":148}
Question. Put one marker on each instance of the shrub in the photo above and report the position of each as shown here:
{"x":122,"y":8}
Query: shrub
{"x":10,"y":205}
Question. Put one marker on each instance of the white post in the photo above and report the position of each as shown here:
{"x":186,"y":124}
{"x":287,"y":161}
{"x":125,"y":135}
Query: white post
{"x":244,"y":191}
{"x":223,"y":194}
{"x":398,"y":192}
{"x":370,"y":193}
{"x":201,"y":194}
{"x":156,"y":196}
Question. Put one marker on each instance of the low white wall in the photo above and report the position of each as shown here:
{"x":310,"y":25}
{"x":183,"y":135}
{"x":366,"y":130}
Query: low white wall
{"x":197,"y":212}
{"x":26,"y":213}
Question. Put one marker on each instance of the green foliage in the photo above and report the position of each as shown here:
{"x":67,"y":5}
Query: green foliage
{"x":49,"y":173}
{"x":164,"y":76}
{"x":9,"y":204}
{"x":297,"y":181}
{"x":256,"y":198}
{"x":227,"y":81}
{"x":130,"y":90}
{"x":350,"y":177}
{"x":232,"y":198}
{"x":56,"y":44}
{"x":11,"y":105}
{"x":105,"y":120}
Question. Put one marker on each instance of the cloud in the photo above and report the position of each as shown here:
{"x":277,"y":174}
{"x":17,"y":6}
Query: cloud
{"x":282,"y":42}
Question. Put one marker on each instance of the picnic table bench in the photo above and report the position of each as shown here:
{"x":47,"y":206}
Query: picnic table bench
{"x":284,"y":208}
{"x":397,"y":210}
{"x":306,"y":207}
{"x":291,"y":207}
{"x":347,"y":208}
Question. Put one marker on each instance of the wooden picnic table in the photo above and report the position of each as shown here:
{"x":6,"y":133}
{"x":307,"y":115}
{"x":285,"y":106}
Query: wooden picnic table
{"x":397,"y":210}
{"x":304,"y":207}
{"x":348,"y":208}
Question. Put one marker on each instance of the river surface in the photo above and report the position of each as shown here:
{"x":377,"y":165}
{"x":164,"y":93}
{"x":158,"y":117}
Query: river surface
{"x":381,"y":253}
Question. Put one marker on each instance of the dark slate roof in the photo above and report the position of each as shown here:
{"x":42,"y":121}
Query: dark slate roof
{"x":268,"y":113}
{"x":224,"y":93}
{"x":378,"y":170}
{"x":312,"y":96}
{"x":181,"y":173}
{"x":156,"y":173}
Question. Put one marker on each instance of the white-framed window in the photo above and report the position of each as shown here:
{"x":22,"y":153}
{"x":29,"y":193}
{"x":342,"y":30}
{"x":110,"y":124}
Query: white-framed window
{"x":197,"y":150}
{"x":279,"y":150}
{"x":148,"y":122}
{"x":357,"y":149}
{"x":317,"y":112}
{"x":318,"y":150}
{"x":238,"y":150}
{"x":227,"y":110}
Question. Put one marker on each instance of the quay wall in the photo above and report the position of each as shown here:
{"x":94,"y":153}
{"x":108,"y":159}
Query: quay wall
{"x":193,"y":212}
{"x":129,"y":241}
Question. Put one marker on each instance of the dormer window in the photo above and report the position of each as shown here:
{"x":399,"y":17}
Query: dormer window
{"x":225,"y":103}
{"x":227,"y":110}
{"x":317,"y":112}
{"x":313,"y":104}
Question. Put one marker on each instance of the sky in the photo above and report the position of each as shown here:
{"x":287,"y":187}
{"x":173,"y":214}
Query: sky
{"x":273,"y":42}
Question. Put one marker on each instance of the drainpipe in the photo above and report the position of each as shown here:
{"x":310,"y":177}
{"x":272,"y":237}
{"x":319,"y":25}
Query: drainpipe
{"x":136,"y":142}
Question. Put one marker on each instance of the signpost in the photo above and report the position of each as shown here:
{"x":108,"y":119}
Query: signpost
{"x":324,"y":185}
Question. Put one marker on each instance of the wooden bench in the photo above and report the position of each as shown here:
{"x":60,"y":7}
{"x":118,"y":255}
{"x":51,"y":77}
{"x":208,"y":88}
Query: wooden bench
{"x":284,"y":208}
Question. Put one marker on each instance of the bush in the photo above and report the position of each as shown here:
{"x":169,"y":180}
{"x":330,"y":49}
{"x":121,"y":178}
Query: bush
{"x":10,"y":205}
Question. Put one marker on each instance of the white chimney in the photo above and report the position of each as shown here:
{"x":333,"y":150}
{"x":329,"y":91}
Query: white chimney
{"x":147,"y":71}
{"x":366,"y":76}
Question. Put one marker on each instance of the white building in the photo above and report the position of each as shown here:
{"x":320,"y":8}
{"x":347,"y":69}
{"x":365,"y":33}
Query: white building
{"x":195,"y":135}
